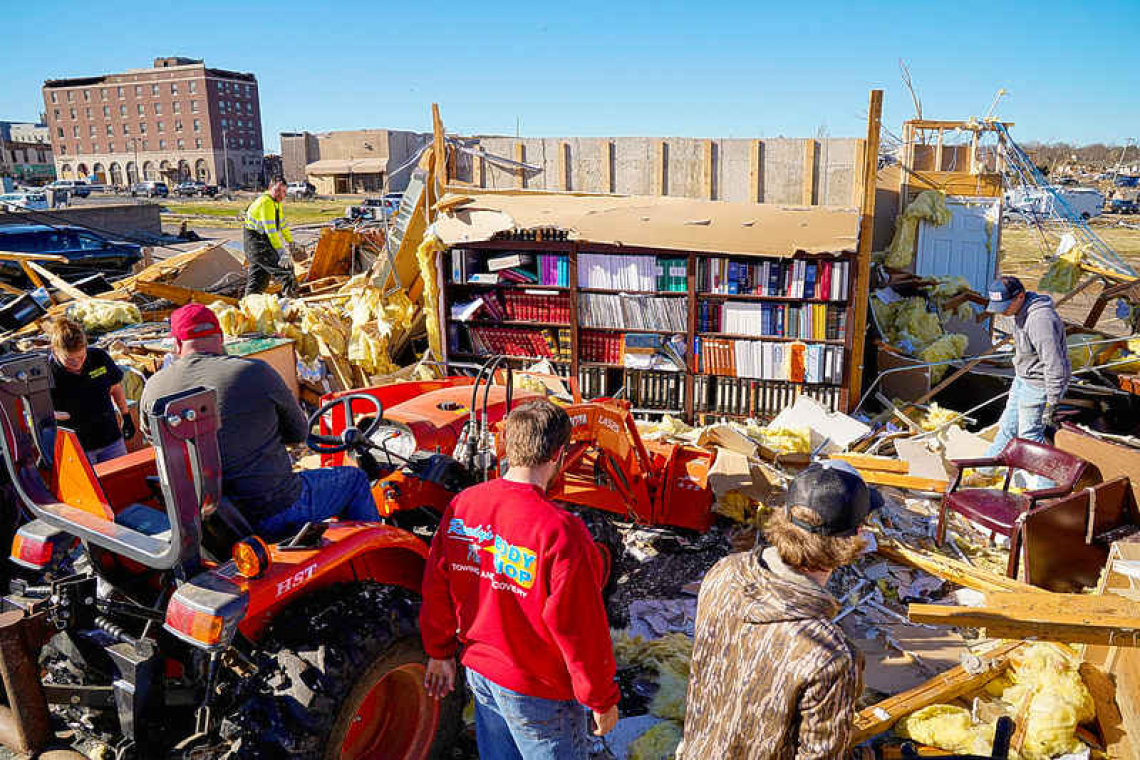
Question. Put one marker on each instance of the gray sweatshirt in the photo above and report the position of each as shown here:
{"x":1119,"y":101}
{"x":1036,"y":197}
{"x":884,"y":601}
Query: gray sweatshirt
{"x":1040,"y":354}
{"x":258,"y":416}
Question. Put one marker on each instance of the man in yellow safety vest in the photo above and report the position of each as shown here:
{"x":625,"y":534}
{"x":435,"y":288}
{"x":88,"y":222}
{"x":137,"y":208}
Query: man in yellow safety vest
{"x":268,"y":241}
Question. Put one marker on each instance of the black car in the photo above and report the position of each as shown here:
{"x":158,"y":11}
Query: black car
{"x":149,"y":189}
{"x":86,"y":251}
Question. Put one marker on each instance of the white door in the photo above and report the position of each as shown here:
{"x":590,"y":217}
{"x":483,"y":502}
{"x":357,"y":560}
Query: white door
{"x":966,"y":247}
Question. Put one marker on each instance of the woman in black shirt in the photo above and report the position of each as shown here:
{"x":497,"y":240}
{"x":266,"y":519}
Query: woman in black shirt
{"x":88,"y":389}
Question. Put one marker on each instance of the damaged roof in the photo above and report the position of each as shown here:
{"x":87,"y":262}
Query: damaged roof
{"x":759,"y":229}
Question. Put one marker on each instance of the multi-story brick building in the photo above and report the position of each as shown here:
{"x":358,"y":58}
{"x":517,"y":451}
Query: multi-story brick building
{"x":178,"y":120}
{"x":25,"y":152}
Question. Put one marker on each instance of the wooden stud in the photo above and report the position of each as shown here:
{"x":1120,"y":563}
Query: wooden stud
{"x":709,"y":189}
{"x":867,"y":462}
{"x":938,"y":151}
{"x":520,"y":156}
{"x":861,"y":290}
{"x":439,"y":145}
{"x":564,"y":165}
{"x":10,"y":289}
{"x":60,"y":284}
{"x":857,"y":184}
{"x":661,"y":169}
{"x":756,"y":172}
{"x":811,"y":149}
{"x":179,"y":295}
{"x":477,"y":171}
{"x":952,"y":570}
{"x":1080,"y":618}
{"x":608,"y":166}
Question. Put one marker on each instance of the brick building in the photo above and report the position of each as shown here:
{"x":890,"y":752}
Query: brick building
{"x":351,"y":161}
{"x":25,"y":152}
{"x":178,"y":120}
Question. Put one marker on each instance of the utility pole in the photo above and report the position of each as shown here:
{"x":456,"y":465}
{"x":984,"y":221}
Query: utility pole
{"x":135,"y":144}
{"x":226,"y":161}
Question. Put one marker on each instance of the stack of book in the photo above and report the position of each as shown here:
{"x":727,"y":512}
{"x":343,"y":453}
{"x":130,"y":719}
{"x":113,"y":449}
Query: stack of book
{"x":806,"y":321}
{"x":536,"y":305}
{"x":779,"y":278}
{"x":604,"y":271}
{"x":668,"y":314}
{"x":595,"y":382}
{"x":554,"y":270}
{"x":672,"y":275}
{"x":771,"y":360}
{"x":647,"y":389}
{"x":761,"y":399}
{"x":513,"y":341}
{"x":604,"y":347}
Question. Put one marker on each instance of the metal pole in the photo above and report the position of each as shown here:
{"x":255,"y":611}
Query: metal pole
{"x":226,"y":160}
{"x":135,"y":143}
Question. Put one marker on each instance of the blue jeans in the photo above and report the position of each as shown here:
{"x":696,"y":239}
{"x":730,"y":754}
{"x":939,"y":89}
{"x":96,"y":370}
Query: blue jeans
{"x":113,"y":451}
{"x":329,"y":492}
{"x":513,"y":726}
{"x":1023,"y":418}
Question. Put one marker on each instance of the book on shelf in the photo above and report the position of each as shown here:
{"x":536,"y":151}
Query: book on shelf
{"x":633,"y":312}
{"x":483,"y":278}
{"x":536,"y":305}
{"x":653,"y":351}
{"x":648,"y":389}
{"x":760,"y":399}
{"x":601,"y":347}
{"x":550,"y":343}
{"x":595,"y":382}
{"x":776,"y":278}
{"x":465,"y":311}
{"x":508,"y":261}
{"x":605,"y":271}
{"x":553,"y":270}
{"x":518,"y":275}
{"x":771,"y":360}
{"x":805,"y":321}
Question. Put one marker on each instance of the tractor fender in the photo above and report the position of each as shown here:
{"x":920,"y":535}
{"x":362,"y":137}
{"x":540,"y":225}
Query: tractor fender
{"x":347,"y":552}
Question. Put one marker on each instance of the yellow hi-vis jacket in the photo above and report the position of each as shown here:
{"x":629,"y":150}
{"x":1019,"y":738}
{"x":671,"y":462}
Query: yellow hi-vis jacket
{"x":264,"y":216}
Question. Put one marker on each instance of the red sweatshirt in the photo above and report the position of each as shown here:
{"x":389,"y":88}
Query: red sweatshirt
{"x":516,"y":581}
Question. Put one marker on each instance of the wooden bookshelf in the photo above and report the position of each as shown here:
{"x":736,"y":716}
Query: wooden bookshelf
{"x":607,"y":377}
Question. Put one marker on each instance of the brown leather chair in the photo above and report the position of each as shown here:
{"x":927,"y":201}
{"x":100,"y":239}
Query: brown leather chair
{"x":1001,"y":511}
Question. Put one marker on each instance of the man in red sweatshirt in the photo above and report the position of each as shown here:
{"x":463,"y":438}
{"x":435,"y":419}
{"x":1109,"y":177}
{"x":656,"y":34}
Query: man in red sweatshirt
{"x":514,"y":581}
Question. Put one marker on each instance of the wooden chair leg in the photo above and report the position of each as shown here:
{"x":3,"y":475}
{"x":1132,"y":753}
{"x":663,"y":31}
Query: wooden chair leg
{"x":1014,"y":553}
{"x":940,"y":533}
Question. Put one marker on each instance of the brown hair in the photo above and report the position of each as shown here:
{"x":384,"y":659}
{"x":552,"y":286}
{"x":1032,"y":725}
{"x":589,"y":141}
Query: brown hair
{"x":66,"y":334}
{"x":534,"y":432}
{"x":804,"y":551}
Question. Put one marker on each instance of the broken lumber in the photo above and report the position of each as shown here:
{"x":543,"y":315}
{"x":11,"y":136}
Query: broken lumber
{"x":952,"y":570}
{"x":869,"y":462}
{"x":945,"y":687}
{"x":179,"y":295}
{"x":22,"y":257}
{"x":1079,"y":618}
{"x":897,"y":480}
{"x":60,"y":284}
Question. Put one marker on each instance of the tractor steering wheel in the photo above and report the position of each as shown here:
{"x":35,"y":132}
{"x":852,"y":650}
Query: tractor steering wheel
{"x":352,"y":436}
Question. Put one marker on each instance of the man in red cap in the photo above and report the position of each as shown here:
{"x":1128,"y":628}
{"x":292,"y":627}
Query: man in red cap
{"x":258,"y":417}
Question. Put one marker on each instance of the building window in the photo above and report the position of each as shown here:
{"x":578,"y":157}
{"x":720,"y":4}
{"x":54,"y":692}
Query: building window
{"x":110,"y":129}
{"x":70,"y":96}
{"x":193,"y":86}
{"x":181,"y":144}
{"x":146,"y":145}
{"x":88,"y":112}
{"x":162,"y":144}
{"x":225,"y":124}
{"x":86,"y":96}
{"x":72,"y":110}
{"x":248,"y":91}
{"x":142,"y":111}
{"x":198,"y":143}
{"x":60,"y":131}
{"x":103,"y":94}
{"x":120,"y":93}
{"x":193,"y":106}
{"x":126,"y":129}
{"x":94,"y":147}
{"x":178,"y":125}
{"x":197,"y":126}
{"x":75,"y":130}
{"x":91,"y":130}
{"x":154,"y":90}
{"x":138,"y":90}
{"x":176,"y":107}
{"x":62,"y":148}
{"x":142,"y":127}
{"x":53,"y":100}
{"x":157,"y":108}
{"x":110,"y":147}
{"x":173,"y":88}
{"x":122,"y":110}
{"x":57,"y":114}
{"x":160,"y":129}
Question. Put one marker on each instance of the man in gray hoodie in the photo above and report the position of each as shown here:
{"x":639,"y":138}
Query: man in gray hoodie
{"x":1040,"y":362}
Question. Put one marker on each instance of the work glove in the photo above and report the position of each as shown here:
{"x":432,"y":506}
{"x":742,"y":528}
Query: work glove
{"x":128,"y":427}
{"x":284,"y":259}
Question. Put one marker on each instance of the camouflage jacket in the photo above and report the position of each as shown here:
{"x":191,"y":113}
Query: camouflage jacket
{"x":772,"y":678}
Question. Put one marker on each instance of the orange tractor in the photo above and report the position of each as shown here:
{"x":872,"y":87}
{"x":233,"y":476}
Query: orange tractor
{"x":149,"y":617}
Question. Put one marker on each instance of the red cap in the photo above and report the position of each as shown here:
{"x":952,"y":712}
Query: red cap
{"x":194,"y":321}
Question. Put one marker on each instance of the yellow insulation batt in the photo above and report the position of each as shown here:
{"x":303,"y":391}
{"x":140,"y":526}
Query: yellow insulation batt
{"x":671,"y":652}
{"x":782,"y":440}
{"x":264,"y":309}
{"x":658,"y":743}
{"x":936,"y":417}
{"x":1086,"y":349}
{"x":929,"y":206}
{"x":1133,"y":353}
{"x":97,"y":315}
{"x":951,"y":346}
{"x":426,"y":255}
{"x":1042,"y":684}
{"x":1063,"y":274}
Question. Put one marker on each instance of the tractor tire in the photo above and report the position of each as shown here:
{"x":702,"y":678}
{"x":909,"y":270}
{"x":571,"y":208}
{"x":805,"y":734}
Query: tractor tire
{"x":607,"y":540}
{"x":341,"y":675}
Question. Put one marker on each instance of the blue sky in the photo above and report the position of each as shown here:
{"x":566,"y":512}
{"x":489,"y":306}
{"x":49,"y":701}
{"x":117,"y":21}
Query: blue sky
{"x":731,"y":69}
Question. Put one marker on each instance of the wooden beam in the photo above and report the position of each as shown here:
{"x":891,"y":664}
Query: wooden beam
{"x":14,"y":256}
{"x":895,"y":480}
{"x":181,"y":296}
{"x":867,"y":462}
{"x":938,"y":151}
{"x":944,"y":687}
{"x":11,"y":289}
{"x":952,"y":570}
{"x":862,"y":286}
{"x":1068,"y":618}
{"x":33,"y":275}
{"x":660,"y":168}
{"x":60,"y":284}
{"x":439,"y":146}
{"x":857,"y":183}
{"x":756,"y":172}
{"x":811,"y":148}
{"x":477,"y":171}
{"x":709,"y":188}
{"x":520,"y":156}
{"x":608,"y":166}
{"x":564,"y":165}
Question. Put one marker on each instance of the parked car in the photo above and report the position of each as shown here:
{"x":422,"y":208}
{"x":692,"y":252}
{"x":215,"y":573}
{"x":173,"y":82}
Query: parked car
{"x":300,"y":190}
{"x":1086,"y":202}
{"x":77,"y":187}
{"x":24,"y":201}
{"x":189,"y":188}
{"x":1123,"y":206}
{"x":86,"y":252}
{"x":150,"y":189}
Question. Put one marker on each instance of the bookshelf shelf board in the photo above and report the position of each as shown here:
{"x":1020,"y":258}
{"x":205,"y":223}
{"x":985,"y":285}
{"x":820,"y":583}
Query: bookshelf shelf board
{"x":678,"y":293}
{"x":777,"y":338}
{"x":706,"y":296}
{"x":605,"y":365}
{"x":656,"y":411}
{"x":511,"y":323}
{"x":785,"y":382}
{"x":484,"y":357}
{"x":630,"y":330}
{"x":507,"y":286}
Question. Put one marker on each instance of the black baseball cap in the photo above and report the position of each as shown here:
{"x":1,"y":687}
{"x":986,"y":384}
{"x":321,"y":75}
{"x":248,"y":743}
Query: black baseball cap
{"x":1002,"y":291}
{"x":836,"y":492}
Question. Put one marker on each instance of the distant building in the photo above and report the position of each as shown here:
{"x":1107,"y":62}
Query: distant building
{"x":271,"y":163}
{"x":178,"y":120}
{"x":25,"y":152}
{"x":356,"y":161}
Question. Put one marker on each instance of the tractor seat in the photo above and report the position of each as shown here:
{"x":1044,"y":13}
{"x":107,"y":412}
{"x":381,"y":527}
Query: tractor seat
{"x":145,"y":520}
{"x":994,"y":510}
